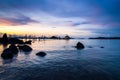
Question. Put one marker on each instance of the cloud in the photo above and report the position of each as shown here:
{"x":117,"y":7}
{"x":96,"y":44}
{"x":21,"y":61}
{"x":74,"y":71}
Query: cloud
{"x":17,"y":19}
{"x":102,"y":12}
{"x":80,"y":23}
{"x":88,"y":14}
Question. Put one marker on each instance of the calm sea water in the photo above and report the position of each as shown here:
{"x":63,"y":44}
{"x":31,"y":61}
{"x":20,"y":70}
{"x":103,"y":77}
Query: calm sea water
{"x":64,"y":62}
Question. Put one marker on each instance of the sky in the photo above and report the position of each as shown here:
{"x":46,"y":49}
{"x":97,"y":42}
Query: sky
{"x":77,"y":18}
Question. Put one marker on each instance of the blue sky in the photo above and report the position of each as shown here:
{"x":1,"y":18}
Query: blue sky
{"x":72,"y":17}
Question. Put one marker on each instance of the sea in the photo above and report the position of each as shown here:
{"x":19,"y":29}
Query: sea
{"x":100,"y":60}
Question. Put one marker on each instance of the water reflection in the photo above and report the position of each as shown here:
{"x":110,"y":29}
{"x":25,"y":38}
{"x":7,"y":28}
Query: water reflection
{"x":7,"y":61}
{"x":5,"y":46}
{"x":2,"y":47}
{"x":64,"y":62}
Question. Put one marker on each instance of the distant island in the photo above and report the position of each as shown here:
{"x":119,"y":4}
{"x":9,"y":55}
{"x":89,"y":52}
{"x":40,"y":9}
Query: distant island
{"x":105,"y":38}
{"x":4,"y":37}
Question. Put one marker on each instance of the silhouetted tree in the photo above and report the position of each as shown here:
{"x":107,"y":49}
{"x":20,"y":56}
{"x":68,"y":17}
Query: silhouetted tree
{"x":5,"y":36}
{"x":5,"y":39}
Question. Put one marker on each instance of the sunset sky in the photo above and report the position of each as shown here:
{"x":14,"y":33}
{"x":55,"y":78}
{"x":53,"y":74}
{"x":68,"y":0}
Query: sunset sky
{"x":60,"y":17}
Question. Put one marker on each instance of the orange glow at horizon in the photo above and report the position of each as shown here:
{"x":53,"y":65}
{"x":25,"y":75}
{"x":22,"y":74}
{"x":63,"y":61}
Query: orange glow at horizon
{"x":35,"y":29}
{"x":43,"y":29}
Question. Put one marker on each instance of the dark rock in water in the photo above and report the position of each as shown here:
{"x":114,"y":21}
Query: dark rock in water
{"x":42,"y":54}
{"x":13,"y":48}
{"x":7,"y":54}
{"x":102,"y":47}
{"x":28,"y":42}
{"x":80,"y":45}
{"x":25,"y":48}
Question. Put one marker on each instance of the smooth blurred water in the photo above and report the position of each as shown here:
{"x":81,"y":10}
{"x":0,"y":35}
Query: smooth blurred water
{"x":64,"y":62}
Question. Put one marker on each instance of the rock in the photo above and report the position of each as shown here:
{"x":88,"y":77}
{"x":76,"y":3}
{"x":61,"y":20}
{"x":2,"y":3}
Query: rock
{"x":80,"y":45}
{"x":42,"y":54}
{"x":13,"y":48}
{"x":28,"y":42}
{"x":102,"y":47}
{"x":7,"y":54}
{"x":25,"y":48}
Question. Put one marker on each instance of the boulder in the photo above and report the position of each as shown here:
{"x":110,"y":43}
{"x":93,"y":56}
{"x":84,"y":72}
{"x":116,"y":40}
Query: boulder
{"x":13,"y":48}
{"x":80,"y":45}
{"x":42,"y":54}
{"x":7,"y":54}
{"x":25,"y":48}
{"x":102,"y":47}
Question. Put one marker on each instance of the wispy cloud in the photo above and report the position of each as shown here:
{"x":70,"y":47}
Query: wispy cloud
{"x":22,"y":20}
{"x":14,"y":19}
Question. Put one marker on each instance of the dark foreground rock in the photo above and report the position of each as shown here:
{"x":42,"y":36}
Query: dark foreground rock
{"x":25,"y":48}
{"x":102,"y":47}
{"x":80,"y":45}
{"x":42,"y":54}
{"x":13,"y":48}
{"x":7,"y":54}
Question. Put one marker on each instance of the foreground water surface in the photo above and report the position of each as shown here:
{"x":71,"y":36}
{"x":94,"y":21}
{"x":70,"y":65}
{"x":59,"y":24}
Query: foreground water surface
{"x":64,"y":62}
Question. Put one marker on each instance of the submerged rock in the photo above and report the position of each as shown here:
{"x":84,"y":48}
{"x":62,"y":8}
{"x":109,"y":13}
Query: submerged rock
{"x":13,"y":48}
{"x":42,"y":54}
{"x":80,"y":45}
{"x":25,"y":48}
{"x":7,"y":54}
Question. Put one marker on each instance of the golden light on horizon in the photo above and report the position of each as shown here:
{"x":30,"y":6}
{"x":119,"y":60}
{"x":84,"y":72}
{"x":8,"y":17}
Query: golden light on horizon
{"x":34,"y":29}
{"x":43,"y":29}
